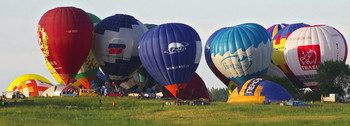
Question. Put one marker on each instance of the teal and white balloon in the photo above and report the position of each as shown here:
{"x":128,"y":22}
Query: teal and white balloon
{"x":242,"y":52}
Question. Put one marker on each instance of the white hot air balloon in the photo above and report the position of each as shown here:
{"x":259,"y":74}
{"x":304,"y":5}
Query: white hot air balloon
{"x":309,"y":46}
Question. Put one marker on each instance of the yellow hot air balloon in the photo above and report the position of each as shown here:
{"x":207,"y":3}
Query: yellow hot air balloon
{"x":26,"y":77}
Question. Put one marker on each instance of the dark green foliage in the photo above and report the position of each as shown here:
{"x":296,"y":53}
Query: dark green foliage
{"x":314,"y":95}
{"x":333,"y":77}
{"x":218,"y":94}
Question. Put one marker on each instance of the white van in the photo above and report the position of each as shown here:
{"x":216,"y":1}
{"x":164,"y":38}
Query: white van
{"x":68,"y":93}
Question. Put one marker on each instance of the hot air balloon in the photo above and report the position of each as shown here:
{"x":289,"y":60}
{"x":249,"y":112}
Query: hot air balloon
{"x":307,"y":47}
{"x":171,"y":53}
{"x":26,"y":77}
{"x":274,"y":29}
{"x":65,"y":37}
{"x":116,"y":39}
{"x":257,"y":90}
{"x":87,"y":71}
{"x":32,"y":87}
{"x":210,"y":63}
{"x":242,"y":52}
{"x":278,"y":53}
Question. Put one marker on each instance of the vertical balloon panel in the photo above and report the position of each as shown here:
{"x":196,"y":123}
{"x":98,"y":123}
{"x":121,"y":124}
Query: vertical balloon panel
{"x":88,"y":71}
{"x":171,"y":53}
{"x":309,"y":46}
{"x":242,"y":52}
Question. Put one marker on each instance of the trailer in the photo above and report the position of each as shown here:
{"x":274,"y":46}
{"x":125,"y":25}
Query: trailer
{"x":332,"y":97}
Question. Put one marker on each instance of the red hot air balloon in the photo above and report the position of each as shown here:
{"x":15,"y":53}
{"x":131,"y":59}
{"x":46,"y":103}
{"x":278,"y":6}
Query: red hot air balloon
{"x":65,"y":38}
{"x":195,"y":89}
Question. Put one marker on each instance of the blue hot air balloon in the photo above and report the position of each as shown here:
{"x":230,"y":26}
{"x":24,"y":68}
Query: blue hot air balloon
{"x":171,"y":53}
{"x":258,"y":90}
{"x":210,"y":63}
{"x":242,"y":52}
{"x":116,"y":40}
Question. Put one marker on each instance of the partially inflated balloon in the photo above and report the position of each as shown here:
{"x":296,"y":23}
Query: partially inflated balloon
{"x":32,"y":87}
{"x":116,"y":39}
{"x":258,"y":90}
{"x":65,"y":37}
{"x":26,"y":77}
{"x":196,"y":89}
{"x":278,"y":53}
{"x":274,"y":29}
{"x":242,"y":52}
{"x":171,"y":54}
{"x":309,"y":46}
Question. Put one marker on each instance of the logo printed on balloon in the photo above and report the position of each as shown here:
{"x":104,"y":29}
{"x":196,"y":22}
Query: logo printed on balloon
{"x":176,"y":47}
{"x":234,"y":61}
{"x":251,"y":87}
{"x":43,"y":37}
{"x":116,"y":48}
{"x":309,"y":57}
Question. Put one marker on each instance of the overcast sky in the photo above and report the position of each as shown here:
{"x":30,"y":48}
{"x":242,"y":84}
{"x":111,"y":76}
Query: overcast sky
{"x":20,"y":53}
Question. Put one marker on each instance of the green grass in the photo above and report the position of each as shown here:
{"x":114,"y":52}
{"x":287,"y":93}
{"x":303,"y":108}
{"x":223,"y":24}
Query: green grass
{"x":131,"y":111}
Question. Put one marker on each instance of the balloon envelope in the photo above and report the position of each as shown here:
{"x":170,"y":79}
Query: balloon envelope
{"x":171,"y":53}
{"x":26,"y":77}
{"x":278,"y":58}
{"x":257,"y":90}
{"x":32,"y":87}
{"x":210,"y":63}
{"x":65,"y":37}
{"x":116,"y":39}
{"x":242,"y":52}
{"x":274,"y":29}
{"x":309,"y":46}
{"x":195,"y":89}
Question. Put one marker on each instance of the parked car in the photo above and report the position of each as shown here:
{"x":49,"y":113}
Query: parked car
{"x":200,"y":102}
{"x":68,"y":93}
{"x":115,"y":94}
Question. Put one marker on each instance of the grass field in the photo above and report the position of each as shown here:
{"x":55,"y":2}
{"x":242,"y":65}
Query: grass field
{"x":88,"y":111}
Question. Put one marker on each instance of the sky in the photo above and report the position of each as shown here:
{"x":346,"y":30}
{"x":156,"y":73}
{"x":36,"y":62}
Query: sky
{"x":20,"y":53}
